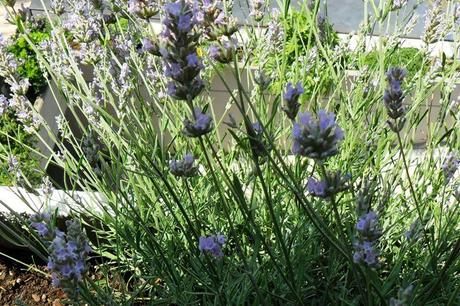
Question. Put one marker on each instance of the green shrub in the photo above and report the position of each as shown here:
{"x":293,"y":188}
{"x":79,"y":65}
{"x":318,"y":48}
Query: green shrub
{"x":17,"y":144}
{"x":410,"y":58}
{"x":27,"y":59}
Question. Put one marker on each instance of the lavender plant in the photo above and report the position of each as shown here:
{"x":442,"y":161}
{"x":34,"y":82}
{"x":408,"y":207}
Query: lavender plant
{"x":298,"y":198}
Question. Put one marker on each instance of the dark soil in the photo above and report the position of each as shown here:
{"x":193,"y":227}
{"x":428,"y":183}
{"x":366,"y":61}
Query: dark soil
{"x":20,"y":286}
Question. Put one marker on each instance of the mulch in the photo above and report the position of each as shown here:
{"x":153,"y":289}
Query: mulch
{"x":22,"y":286}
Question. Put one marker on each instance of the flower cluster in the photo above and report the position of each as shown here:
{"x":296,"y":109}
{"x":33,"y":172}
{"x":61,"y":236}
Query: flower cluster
{"x":13,"y":164}
{"x":291,"y":98}
{"x":84,"y":20}
{"x":223,"y":51}
{"x":327,"y":187}
{"x":47,"y":187}
{"x":317,"y":139}
{"x":393,"y":98}
{"x":275,"y":32}
{"x":68,"y":252}
{"x":179,"y":51}
{"x":183,"y":168}
{"x":369,"y":232}
{"x":91,"y":148}
{"x":57,"y":7}
{"x":212,"y":245}
{"x":200,"y":125}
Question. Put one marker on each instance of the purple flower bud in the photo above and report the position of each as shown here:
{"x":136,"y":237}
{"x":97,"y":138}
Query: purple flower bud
{"x":224,"y":51}
{"x":366,"y":253}
{"x":291,"y":97}
{"x":201,"y":125}
{"x":183,"y":168}
{"x":185,"y":23}
{"x":13,"y":163}
{"x":212,"y":245}
{"x":193,"y":60}
{"x":41,"y":228}
{"x":317,"y":188}
{"x":393,"y":98}
{"x":173,"y":8}
{"x":368,"y":226}
{"x":316,"y":139}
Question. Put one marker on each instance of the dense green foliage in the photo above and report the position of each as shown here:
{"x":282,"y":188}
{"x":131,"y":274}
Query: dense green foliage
{"x":27,"y":59}
{"x":16,"y":141}
{"x":412,"y":59}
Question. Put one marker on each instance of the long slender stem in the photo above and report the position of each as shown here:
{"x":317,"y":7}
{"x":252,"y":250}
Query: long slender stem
{"x":412,"y":189}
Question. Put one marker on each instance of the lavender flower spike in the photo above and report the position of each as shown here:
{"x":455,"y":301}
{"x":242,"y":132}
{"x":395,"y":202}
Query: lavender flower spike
{"x":335,"y":183}
{"x":450,"y":166}
{"x":317,"y":139}
{"x":317,"y":188}
{"x":68,"y":255}
{"x":291,"y":97}
{"x":368,"y":226}
{"x":68,"y":252}
{"x":369,"y":232}
{"x":180,"y":36}
{"x":201,"y":125}
{"x":183,"y":168}
{"x":393,"y":98}
{"x":212,"y":245}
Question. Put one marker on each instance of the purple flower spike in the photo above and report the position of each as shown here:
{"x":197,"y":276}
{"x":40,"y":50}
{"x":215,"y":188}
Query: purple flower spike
{"x":183,"y":168}
{"x":393,"y":98}
{"x":365,"y":252}
{"x":173,"y":8}
{"x":291,"y":97}
{"x":317,"y":188}
{"x":180,"y":38}
{"x":316,"y":139}
{"x":68,"y":252}
{"x":368,"y":226}
{"x":201,"y":125}
{"x":212,"y":245}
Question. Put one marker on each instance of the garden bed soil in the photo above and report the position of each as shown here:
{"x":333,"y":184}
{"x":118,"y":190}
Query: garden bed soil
{"x":21,"y":286}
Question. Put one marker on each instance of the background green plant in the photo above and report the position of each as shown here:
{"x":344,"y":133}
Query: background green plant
{"x":23,"y":51}
{"x":16,"y":141}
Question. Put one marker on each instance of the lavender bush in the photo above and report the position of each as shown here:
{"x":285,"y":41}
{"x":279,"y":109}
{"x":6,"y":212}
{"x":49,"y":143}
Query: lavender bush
{"x":255,"y":194}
